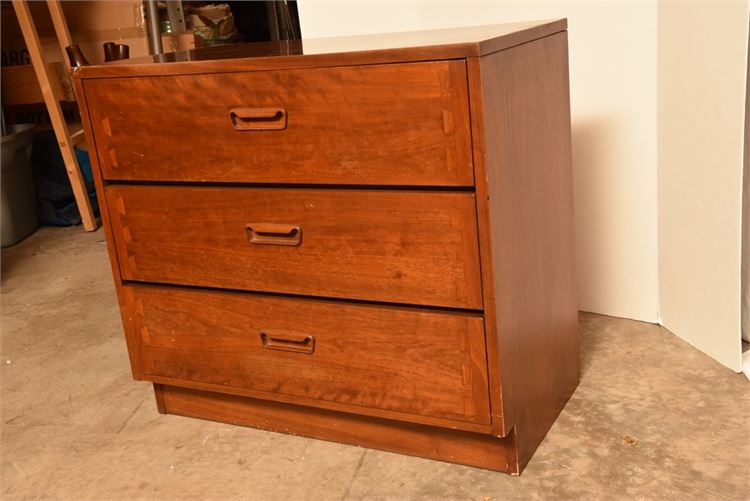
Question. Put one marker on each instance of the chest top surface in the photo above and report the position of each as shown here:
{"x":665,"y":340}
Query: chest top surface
{"x":428,"y":45}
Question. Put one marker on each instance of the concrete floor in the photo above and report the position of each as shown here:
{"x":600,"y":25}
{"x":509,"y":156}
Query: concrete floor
{"x":653,"y":418}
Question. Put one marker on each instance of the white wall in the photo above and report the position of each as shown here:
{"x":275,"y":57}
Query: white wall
{"x":701,"y":81}
{"x":613,"y":99}
{"x":745,"y":277}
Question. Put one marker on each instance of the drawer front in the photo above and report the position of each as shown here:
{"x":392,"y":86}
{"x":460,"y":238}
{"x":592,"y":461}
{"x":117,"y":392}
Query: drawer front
{"x":379,"y":245}
{"x":398,"y":124}
{"x":370,"y":359}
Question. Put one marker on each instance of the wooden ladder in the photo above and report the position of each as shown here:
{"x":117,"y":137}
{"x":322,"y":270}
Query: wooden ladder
{"x":65,"y":139}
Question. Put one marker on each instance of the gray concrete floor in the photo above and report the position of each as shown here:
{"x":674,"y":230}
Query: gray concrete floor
{"x":653,"y":418}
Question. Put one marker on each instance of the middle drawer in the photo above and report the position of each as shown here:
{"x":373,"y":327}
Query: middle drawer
{"x":412,"y":247}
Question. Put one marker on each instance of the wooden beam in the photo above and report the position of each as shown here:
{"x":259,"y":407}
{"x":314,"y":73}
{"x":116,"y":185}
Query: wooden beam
{"x":61,"y":26}
{"x":34,"y":46}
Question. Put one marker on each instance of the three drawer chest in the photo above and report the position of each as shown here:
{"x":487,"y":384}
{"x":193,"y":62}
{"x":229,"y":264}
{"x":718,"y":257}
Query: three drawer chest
{"x":363,"y":239}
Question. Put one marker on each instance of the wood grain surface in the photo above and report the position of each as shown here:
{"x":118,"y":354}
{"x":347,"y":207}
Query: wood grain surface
{"x":415,"y":247}
{"x":479,"y":139}
{"x":473,"y":449}
{"x":104,"y":210}
{"x":387,"y":261}
{"x":404,"y":124}
{"x":526,"y":219}
{"x":404,"y":360}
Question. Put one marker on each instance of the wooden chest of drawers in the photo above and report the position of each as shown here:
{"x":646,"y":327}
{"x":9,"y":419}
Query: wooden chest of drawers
{"x":366,"y":239}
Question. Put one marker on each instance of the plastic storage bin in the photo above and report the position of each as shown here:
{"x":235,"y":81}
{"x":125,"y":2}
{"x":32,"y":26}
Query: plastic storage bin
{"x":18,"y":210}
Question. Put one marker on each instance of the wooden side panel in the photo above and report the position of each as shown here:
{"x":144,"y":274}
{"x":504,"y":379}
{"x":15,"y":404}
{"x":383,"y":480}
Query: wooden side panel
{"x":528,"y":201}
{"x":403,"y":124}
{"x":476,"y":98}
{"x":104,"y":209}
{"x":404,"y":361}
{"x":473,"y":449}
{"x":393,"y":246}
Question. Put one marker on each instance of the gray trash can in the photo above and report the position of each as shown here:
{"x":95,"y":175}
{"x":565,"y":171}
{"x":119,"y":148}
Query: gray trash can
{"x":18,"y":211}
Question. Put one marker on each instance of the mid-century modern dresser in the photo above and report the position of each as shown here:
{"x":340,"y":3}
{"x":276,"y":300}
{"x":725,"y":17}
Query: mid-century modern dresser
{"x":365,"y":239}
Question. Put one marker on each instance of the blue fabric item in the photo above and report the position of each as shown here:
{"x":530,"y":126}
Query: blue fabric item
{"x":56,"y":204}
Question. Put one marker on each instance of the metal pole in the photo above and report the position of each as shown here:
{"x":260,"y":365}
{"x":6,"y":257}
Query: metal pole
{"x":154,"y":32}
{"x":176,"y":15}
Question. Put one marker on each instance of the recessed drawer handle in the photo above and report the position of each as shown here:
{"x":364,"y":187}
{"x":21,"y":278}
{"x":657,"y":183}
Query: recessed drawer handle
{"x":258,"y":118}
{"x":288,"y":342}
{"x":274,"y":234}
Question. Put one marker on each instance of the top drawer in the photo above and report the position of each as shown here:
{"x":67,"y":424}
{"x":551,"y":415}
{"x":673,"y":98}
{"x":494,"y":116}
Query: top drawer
{"x":395,"y":124}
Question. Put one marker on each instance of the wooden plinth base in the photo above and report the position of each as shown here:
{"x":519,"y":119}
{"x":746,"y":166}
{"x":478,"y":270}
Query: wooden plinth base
{"x":472,"y":449}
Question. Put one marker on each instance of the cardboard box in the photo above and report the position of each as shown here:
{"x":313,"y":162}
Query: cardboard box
{"x":37,"y":114}
{"x":183,"y":40}
{"x":20,"y":85}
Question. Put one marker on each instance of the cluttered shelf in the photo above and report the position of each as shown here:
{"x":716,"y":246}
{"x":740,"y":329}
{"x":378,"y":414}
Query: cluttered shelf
{"x":51,"y":171}
{"x":125,"y":25}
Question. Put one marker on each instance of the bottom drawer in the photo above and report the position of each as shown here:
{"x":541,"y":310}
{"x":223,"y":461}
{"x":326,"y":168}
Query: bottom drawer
{"x":386,"y":361}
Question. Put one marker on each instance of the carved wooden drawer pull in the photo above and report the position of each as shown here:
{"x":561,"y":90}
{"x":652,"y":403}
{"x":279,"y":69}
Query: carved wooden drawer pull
{"x":286,"y":342}
{"x":274,"y":234}
{"x":258,"y":118}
